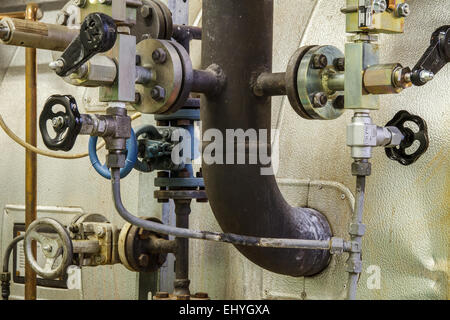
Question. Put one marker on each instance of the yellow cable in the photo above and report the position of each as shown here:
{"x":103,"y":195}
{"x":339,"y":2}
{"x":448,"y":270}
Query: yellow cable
{"x":31,"y":148}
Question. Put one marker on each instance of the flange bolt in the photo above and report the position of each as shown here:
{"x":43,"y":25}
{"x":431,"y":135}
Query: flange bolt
{"x":159,"y":56}
{"x":320,"y":61}
{"x":320,"y":100}
{"x":158,"y":93}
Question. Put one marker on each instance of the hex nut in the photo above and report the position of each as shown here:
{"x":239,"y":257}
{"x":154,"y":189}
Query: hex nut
{"x":144,"y":260}
{"x":397,"y":136}
{"x":361,"y":169}
{"x":158,"y":93}
{"x":339,"y":102}
{"x":320,"y":61}
{"x":159,"y":56}
{"x":339,"y":64}
{"x":320,"y":100}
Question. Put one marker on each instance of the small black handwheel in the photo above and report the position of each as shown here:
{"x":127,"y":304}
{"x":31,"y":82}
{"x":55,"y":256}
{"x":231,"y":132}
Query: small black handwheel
{"x":400,"y":153}
{"x":65,"y":123}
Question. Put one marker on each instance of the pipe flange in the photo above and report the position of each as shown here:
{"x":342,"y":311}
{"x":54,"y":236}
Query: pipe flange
{"x":188,"y":77}
{"x":312,"y":98}
{"x":161,"y":93}
{"x":291,"y":80}
{"x":133,"y":248}
{"x":167,"y":19}
{"x":150,"y":22}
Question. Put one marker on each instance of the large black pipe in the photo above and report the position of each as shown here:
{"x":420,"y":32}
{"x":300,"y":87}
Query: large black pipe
{"x":237,"y":35}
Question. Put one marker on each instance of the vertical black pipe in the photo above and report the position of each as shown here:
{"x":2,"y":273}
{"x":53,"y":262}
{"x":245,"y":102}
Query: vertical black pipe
{"x":181,"y":283}
{"x":237,"y":35}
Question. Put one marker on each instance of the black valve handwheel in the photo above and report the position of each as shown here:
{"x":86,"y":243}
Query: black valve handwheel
{"x":98,"y":32}
{"x":399,"y":153}
{"x":65,"y":124}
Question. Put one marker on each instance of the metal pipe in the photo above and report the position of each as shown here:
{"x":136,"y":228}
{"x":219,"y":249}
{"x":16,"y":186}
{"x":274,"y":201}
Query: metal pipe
{"x":243,"y":200}
{"x":212,"y":236}
{"x":182,"y":32}
{"x":33,"y":34}
{"x":181,"y":283}
{"x":6,"y":275}
{"x":17,"y":15}
{"x":270,"y":84}
{"x":207,"y":82}
{"x":8,"y":251}
{"x":336,"y":81}
{"x":355,"y":257}
{"x":30,"y":157}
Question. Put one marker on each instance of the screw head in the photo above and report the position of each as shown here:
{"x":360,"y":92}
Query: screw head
{"x":158,"y":93}
{"x":159,"y":56}
{"x":320,"y":61}
{"x":320,"y":100}
{"x":47,"y":248}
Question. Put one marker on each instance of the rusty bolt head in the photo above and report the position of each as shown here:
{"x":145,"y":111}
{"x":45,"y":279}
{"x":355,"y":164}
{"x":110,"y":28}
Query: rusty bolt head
{"x":159,"y":56}
{"x":320,"y":61}
{"x":320,"y":100}
{"x":339,"y":64}
{"x":339,"y":102}
{"x":158,"y":93}
{"x":144,"y":260}
{"x":146,"y":12}
{"x":184,"y":297}
{"x":137,"y":98}
{"x":162,"y":295}
{"x":201,"y":295}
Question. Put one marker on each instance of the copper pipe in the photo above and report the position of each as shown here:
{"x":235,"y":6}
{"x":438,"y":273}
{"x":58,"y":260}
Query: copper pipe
{"x":30,"y":157}
{"x":17,"y":15}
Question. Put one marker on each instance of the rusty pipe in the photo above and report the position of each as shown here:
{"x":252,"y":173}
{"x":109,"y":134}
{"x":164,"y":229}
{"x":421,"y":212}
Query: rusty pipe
{"x":30,"y":157}
{"x":239,"y":40}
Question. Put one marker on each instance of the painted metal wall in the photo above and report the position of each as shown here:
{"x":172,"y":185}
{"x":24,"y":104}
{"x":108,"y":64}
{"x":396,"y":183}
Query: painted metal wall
{"x":407,"y":207}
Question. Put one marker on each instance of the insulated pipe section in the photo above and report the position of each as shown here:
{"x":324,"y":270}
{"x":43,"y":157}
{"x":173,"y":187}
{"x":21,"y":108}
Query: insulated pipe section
{"x":32,"y":34}
{"x":243,"y":200}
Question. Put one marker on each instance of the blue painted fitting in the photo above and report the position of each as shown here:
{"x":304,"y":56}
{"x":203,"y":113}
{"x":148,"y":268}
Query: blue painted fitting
{"x":103,"y":170}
